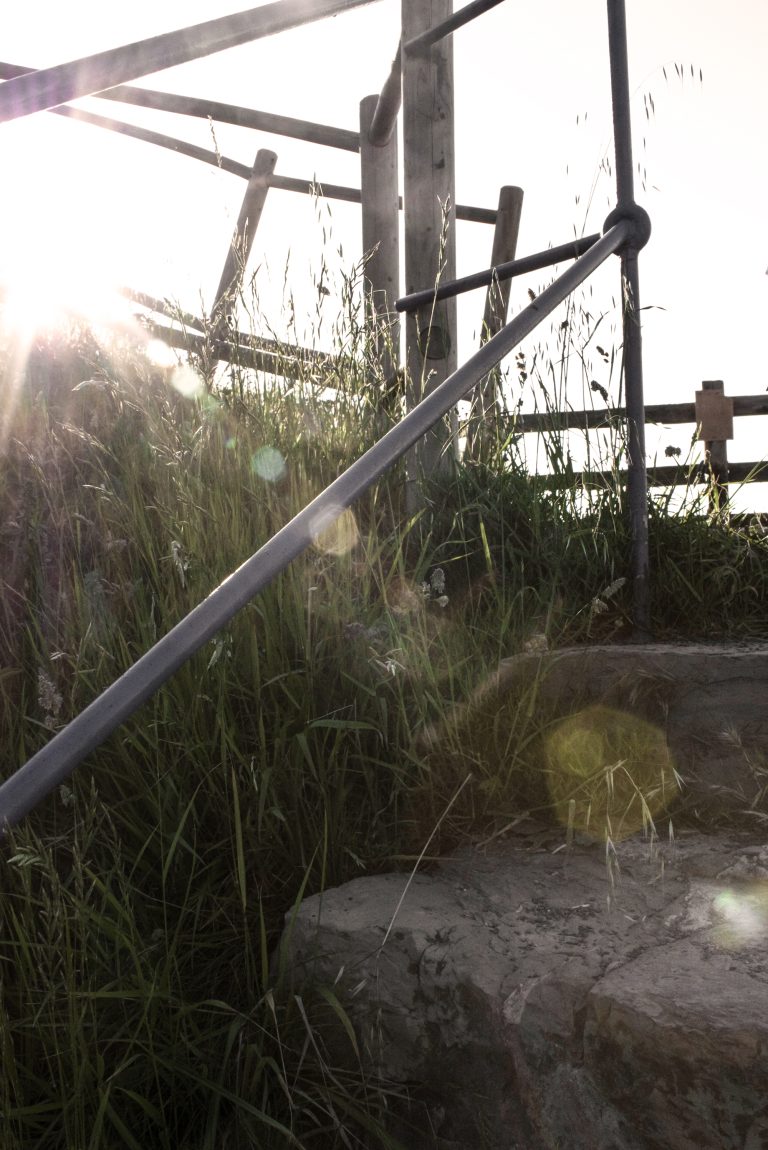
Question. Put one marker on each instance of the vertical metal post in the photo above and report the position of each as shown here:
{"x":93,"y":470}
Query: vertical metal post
{"x":637,"y":481}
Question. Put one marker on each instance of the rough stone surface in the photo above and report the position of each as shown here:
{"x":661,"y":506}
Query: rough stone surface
{"x":541,"y":997}
{"x":711,"y":701}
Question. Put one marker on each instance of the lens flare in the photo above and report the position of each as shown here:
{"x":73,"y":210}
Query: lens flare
{"x":160,"y":354}
{"x":741,"y":915}
{"x":269,"y":464}
{"x":187,"y":381}
{"x":335,"y":531}
{"x":609,"y":773}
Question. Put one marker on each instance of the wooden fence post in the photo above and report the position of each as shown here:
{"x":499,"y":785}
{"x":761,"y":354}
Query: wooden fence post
{"x":381,"y":251}
{"x":242,"y":240}
{"x":430,"y":229}
{"x":480,"y":432}
{"x":714,"y":415}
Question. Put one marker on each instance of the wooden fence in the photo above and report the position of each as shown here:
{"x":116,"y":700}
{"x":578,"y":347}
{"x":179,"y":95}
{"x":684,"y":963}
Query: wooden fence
{"x":712,"y":412}
{"x":421,"y":80}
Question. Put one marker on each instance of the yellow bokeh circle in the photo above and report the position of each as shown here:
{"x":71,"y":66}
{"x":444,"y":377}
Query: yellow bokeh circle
{"x":609,"y":773}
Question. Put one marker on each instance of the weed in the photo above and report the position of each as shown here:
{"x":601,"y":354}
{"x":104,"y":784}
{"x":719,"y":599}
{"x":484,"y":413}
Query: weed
{"x":347,"y":719}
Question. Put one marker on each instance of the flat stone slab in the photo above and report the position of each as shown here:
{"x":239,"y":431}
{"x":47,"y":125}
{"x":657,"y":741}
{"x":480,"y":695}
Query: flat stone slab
{"x":539,"y":997}
{"x":710,"y":701}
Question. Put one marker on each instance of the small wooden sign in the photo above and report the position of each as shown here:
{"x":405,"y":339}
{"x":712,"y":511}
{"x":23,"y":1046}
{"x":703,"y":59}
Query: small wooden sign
{"x":714,"y":413}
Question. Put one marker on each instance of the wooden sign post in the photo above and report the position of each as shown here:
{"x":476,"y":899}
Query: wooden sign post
{"x":714,"y":416}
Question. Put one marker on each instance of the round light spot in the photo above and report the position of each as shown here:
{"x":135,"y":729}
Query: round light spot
{"x":335,"y":531}
{"x":609,"y":773}
{"x":741,"y":915}
{"x":187,"y":382}
{"x":268,"y":463}
{"x":160,"y":354}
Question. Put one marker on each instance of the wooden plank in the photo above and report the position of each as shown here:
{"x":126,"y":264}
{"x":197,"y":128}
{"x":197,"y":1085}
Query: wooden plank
{"x":297,"y":129}
{"x":50,"y":87}
{"x":697,"y":475}
{"x":165,"y":307}
{"x":503,"y":249}
{"x":430,"y":230}
{"x":242,"y":241}
{"x":475,"y":215}
{"x":388,"y":104}
{"x":216,"y":110}
{"x":260,"y":355}
{"x":349,"y":195}
{"x":147,"y":136}
{"x":484,"y":400}
{"x":714,"y":411}
{"x":354,"y":196}
{"x":666,"y":413}
{"x":381,"y":245}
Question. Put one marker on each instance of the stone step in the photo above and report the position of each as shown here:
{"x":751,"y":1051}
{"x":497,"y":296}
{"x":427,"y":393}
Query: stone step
{"x":709,"y":701}
{"x":596,"y":998}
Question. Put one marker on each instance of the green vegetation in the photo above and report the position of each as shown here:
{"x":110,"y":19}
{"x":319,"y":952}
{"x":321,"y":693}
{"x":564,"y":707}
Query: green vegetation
{"x":323,"y":735}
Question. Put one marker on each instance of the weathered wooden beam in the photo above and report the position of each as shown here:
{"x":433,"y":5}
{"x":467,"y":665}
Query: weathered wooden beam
{"x":484,"y":400}
{"x":698,"y":474}
{"x":671,"y":413}
{"x":259,"y":355}
{"x":165,"y":307}
{"x":242,"y":241}
{"x":307,"y":130}
{"x":159,"y":139}
{"x":430,"y":230}
{"x":49,"y":87}
{"x":381,"y":243}
{"x":223,"y":113}
{"x":503,"y":249}
{"x":354,"y":196}
{"x":388,"y":104}
{"x":464,"y":212}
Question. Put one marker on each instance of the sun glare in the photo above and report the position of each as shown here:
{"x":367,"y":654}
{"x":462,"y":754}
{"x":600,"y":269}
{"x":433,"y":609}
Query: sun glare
{"x":44,"y":291}
{"x":61,"y":243}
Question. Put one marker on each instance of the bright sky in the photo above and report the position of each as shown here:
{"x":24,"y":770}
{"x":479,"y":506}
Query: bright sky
{"x":532,"y":108}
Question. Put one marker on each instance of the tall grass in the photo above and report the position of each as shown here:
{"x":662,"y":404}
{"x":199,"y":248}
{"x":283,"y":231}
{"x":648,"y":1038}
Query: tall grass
{"x":322,"y":735}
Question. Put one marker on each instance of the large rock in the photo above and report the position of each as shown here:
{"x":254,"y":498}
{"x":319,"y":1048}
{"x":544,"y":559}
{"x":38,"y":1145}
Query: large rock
{"x":588,"y":998}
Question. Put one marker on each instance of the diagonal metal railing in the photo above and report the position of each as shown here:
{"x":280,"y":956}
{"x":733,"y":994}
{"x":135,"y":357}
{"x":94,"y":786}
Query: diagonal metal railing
{"x":625,"y":232}
{"x":52,"y":764}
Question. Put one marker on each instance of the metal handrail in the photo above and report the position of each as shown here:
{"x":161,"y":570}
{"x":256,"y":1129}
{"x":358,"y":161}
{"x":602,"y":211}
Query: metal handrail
{"x":59,"y":757}
{"x":388,"y":106}
{"x":451,"y":24}
{"x":450,"y":288}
